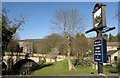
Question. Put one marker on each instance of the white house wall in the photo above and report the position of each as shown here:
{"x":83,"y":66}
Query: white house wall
{"x":112,"y":57}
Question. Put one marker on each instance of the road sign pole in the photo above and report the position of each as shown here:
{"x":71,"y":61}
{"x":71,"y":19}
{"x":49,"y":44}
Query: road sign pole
{"x":100,"y":65}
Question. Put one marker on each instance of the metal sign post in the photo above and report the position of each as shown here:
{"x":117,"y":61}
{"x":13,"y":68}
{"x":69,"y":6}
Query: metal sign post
{"x":99,"y":25}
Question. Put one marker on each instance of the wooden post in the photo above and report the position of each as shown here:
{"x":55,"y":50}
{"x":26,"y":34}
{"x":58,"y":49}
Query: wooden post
{"x":100,"y":65}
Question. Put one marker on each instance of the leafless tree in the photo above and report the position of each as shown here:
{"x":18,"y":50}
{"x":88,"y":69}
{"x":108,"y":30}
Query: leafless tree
{"x":68,"y":22}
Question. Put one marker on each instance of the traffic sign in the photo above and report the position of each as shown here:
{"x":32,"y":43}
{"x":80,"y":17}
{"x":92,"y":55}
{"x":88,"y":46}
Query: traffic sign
{"x":100,"y":51}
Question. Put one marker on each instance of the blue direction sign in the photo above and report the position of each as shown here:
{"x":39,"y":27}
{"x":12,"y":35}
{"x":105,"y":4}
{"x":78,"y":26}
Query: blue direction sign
{"x":100,"y":51}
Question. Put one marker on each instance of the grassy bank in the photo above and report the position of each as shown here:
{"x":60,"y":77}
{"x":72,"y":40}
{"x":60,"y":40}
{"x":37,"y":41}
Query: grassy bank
{"x":61,"y":68}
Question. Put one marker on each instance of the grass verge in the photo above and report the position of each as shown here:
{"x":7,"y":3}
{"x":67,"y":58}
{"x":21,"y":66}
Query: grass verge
{"x":61,"y":68}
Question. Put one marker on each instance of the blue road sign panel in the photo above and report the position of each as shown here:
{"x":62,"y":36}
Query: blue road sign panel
{"x":100,"y":51}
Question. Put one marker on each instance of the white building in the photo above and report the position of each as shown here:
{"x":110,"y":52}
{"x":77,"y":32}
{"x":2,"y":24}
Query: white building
{"x":113,"y":49}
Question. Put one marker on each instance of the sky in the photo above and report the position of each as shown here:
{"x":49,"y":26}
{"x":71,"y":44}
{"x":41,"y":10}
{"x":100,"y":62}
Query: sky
{"x":38,"y":16}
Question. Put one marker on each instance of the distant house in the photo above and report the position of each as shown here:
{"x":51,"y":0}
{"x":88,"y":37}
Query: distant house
{"x":113,"y":49}
{"x":112,"y":56}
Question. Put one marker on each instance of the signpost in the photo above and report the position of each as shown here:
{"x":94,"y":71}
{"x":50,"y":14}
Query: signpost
{"x":100,"y":51}
{"x":99,"y":16}
{"x":99,"y":25}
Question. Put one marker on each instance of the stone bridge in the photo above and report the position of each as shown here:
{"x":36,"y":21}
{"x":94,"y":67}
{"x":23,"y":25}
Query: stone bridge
{"x":20,"y":62}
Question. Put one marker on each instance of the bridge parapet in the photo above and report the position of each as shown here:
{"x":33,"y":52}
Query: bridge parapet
{"x":33,"y":56}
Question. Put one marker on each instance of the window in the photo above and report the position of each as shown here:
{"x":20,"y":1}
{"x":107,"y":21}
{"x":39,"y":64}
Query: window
{"x":115,"y":58}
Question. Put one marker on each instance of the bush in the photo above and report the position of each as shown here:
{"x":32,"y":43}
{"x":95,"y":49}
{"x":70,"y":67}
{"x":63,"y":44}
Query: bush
{"x":84,"y":62}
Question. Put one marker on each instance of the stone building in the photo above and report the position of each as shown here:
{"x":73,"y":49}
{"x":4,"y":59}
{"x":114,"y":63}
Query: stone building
{"x":113,"y":49}
{"x":26,"y":46}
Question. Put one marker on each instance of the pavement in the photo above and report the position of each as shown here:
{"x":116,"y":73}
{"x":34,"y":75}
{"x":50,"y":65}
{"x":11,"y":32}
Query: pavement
{"x":63,"y":76}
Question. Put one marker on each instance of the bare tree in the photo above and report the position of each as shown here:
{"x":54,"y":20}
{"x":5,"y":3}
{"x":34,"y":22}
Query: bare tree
{"x":68,"y":22}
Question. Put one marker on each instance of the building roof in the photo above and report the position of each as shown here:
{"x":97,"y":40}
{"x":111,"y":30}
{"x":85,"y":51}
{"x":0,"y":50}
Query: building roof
{"x":112,"y":52}
{"x":113,"y":43}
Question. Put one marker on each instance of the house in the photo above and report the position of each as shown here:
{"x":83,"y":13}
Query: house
{"x":113,"y":49}
{"x":112,"y":56}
